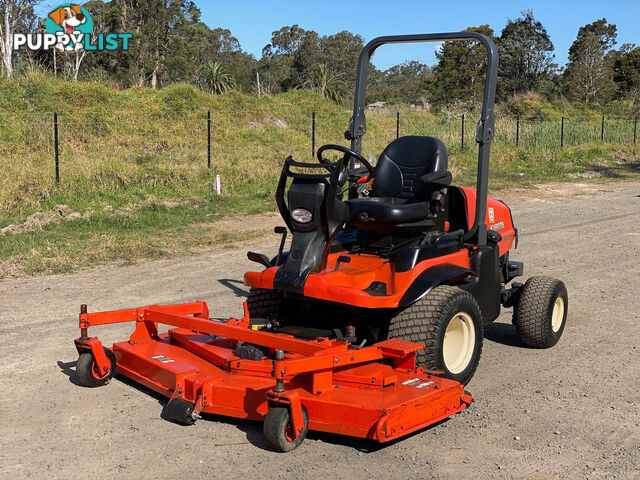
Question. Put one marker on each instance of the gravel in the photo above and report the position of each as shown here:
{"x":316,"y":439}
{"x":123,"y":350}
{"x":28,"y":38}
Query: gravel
{"x":573,"y":410}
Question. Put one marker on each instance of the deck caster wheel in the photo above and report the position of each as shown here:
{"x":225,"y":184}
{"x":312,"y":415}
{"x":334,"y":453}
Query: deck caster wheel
{"x":277,"y":429}
{"x":87,"y":370}
{"x":180,"y":411}
{"x":541,"y":312}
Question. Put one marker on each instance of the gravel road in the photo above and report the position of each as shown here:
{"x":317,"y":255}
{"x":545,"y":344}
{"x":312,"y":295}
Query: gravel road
{"x":569,"y":412}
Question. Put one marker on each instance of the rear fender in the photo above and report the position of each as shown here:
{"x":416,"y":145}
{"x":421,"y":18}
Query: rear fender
{"x":431,"y":278}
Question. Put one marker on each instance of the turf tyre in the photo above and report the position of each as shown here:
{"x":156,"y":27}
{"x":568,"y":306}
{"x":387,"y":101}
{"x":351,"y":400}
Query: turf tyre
{"x":427,"y":321}
{"x":263,"y":303}
{"x":536,"y":314}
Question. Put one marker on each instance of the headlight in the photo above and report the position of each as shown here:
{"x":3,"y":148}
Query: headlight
{"x":301,"y":215}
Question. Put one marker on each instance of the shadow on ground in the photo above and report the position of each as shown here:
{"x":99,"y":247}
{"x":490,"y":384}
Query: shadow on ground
{"x":504,"y":334}
{"x":233,"y":286}
{"x":69,"y":369}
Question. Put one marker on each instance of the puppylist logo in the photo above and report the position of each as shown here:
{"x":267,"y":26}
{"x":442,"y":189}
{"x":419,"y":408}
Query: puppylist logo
{"x":70,"y":28}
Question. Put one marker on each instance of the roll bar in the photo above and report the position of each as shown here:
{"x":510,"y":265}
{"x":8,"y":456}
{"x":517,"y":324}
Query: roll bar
{"x":484,"y":130}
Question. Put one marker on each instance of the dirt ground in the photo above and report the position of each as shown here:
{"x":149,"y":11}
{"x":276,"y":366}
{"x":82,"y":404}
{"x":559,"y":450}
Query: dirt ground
{"x":569,"y":412}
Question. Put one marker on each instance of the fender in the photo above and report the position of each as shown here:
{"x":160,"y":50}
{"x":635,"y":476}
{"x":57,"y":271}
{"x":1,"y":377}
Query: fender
{"x":431,"y":278}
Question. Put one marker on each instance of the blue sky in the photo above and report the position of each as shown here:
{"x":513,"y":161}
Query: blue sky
{"x":252,"y":22}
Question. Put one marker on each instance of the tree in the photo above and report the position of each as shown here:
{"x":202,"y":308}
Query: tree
{"x":409,"y":82}
{"x":195,"y":44}
{"x":156,"y":26}
{"x":294,"y":54}
{"x":99,"y":11}
{"x":325,"y":83}
{"x":277,"y":60}
{"x":216,"y":78}
{"x":589,"y":74}
{"x":340,"y":53}
{"x":626,"y":71}
{"x":526,"y":55}
{"x":15,"y":16}
{"x":461,"y":69}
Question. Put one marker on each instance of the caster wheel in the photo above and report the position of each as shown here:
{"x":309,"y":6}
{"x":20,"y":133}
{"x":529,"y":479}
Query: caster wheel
{"x":277,"y":430}
{"x":87,"y":370}
{"x":180,"y":411}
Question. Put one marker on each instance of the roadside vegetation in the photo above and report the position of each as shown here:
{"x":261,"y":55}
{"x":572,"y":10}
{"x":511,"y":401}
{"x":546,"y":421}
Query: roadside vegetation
{"x":134,"y":181}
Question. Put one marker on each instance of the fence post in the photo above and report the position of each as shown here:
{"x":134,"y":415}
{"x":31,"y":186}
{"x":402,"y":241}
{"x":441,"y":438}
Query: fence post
{"x":562,"y":133}
{"x":517,"y":130}
{"x":397,"y":124}
{"x":635,"y":129}
{"x":602,"y":130}
{"x":208,"y":138}
{"x":313,"y":134}
{"x":55,"y":146}
{"x":462,"y":134}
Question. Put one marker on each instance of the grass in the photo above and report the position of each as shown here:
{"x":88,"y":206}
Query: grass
{"x":134,"y":162}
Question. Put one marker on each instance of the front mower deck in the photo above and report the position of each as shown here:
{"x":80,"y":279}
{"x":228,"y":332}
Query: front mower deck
{"x":373,"y":392}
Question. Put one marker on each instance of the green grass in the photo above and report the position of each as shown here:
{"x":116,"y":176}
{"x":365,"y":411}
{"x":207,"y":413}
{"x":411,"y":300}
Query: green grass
{"x":133,"y":150}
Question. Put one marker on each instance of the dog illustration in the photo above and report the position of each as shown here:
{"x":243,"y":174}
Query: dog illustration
{"x":68,"y":18}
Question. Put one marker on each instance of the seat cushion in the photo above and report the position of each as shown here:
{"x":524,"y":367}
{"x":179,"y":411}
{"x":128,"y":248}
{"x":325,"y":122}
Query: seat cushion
{"x":387,"y":210}
{"x":402,"y":165}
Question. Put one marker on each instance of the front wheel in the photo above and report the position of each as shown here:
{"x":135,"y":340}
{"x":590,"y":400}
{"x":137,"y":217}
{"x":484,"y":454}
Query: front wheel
{"x":448,"y":321}
{"x":263,"y":303}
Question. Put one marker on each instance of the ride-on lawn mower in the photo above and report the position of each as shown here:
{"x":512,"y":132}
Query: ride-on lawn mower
{"x":372,"y":322}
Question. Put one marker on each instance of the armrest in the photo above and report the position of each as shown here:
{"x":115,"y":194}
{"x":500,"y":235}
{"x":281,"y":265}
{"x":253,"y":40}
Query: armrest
{"x":442,"y":178}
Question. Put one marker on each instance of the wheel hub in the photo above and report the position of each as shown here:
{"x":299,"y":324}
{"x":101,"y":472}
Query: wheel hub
{"x":459,"y":343}
{"x":557,"y":315}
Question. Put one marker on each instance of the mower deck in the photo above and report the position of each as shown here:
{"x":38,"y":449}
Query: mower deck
{"x":373,"y":392}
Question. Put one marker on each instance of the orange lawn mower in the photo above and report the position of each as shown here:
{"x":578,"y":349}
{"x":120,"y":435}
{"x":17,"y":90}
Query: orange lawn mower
{"x":372,"y":322}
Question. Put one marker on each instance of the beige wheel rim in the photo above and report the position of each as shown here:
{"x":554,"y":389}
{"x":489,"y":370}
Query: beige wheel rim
{"x":459,"y":343}
{"x":557,"y":315}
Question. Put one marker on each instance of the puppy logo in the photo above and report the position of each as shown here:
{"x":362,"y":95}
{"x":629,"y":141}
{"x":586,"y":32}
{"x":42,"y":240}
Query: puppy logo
{"x":69,"y":28}
{"x":69,"y":22}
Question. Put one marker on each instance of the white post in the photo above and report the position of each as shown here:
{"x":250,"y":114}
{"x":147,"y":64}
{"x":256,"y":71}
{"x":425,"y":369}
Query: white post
{"x":218,"y":188}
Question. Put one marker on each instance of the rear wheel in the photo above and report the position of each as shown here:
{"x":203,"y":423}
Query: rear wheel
{"x":449,"y":322}
{"x":263,"y":303}
{"x":540,"y":313}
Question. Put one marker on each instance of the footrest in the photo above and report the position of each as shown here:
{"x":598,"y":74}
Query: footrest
{"x":396,"y":347}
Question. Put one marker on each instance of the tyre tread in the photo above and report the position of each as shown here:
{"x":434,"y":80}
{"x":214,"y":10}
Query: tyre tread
{"x":263,"y":303}
{"x":530,"y":313}
{"x":420,"y":323}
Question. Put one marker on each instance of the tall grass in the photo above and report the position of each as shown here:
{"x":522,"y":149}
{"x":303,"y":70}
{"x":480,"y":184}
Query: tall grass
{"x":118,"y":145}
{"x":118,"y":149}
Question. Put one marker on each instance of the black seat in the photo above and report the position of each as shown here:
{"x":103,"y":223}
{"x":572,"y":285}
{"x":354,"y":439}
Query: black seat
{"x":407,"y":173}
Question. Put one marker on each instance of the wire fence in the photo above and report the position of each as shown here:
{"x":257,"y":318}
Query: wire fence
{"x":50,"y":141}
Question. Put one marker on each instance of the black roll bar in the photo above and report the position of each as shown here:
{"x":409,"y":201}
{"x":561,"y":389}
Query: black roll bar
{"x":484,"y":130}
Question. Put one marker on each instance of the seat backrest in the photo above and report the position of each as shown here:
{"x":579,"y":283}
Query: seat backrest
{"x":403,"y":162}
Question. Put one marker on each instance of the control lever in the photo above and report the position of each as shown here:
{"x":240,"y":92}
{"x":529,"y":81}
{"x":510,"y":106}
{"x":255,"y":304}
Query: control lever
{"x":259,"y":258}
{"x":442,"y":240}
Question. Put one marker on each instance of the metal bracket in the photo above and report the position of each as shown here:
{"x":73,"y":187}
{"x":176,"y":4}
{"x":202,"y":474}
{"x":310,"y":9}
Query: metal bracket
{"x":485,"y":130}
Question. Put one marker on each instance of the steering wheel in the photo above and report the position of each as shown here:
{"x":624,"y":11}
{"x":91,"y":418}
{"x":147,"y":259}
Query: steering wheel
{"x":345,"y":175}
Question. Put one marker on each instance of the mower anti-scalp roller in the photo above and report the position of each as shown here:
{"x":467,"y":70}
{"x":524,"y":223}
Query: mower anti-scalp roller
{"x":292,"y":385}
